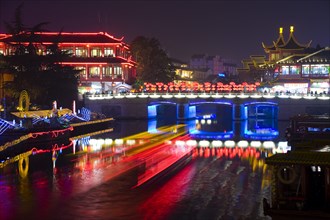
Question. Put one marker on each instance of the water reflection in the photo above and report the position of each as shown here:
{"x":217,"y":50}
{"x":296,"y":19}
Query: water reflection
{"x":211,"y":127}
{"x":216,"y":177}
{"x":260,"y":129}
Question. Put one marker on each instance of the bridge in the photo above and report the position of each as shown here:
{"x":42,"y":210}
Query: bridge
{"x":188,"y":105}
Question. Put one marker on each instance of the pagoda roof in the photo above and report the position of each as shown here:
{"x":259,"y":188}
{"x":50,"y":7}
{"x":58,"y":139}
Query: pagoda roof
{"x":300,"y":158}
{"x":292,"y":43}
{"x":258,"y":59}
{"x":322,"y":55}
{"x":63,"y":37}
{"x":280,"y":41}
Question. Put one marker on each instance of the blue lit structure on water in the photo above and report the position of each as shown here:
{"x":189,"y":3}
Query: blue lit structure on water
{"x":261,"y":110}
{"x":211,"y":127}
{"x":259,"y":129}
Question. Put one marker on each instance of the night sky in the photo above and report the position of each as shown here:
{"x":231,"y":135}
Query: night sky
{"x":231,"y":29}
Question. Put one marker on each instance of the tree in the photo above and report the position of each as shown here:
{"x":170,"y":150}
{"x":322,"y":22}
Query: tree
{"x":41,"y":75}
{"x":153,"y":64}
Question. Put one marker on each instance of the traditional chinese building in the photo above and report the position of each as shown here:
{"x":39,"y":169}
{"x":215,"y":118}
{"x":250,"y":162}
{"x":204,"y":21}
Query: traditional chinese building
{"x":105,"y":62}
{"x":290,"y":66}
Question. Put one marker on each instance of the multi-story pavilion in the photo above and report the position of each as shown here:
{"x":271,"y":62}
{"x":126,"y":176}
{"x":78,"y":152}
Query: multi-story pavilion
{"x":105,"y":62}
{"x":290,"y":66}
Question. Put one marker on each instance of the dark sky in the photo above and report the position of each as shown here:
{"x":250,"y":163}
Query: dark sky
{"x":231,"y":29}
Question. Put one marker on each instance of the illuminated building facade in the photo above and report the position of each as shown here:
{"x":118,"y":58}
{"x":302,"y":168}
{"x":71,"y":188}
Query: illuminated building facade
{"x":105,"y":62}
{"x":182,"y":72}
{"x":290,"y":66}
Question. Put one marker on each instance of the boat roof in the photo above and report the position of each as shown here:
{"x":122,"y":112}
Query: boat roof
{"x":41,"y":113}
{"x":300,"y":158}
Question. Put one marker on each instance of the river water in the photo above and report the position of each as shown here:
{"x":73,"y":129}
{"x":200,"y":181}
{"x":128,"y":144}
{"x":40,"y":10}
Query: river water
{"x":96,"y":176}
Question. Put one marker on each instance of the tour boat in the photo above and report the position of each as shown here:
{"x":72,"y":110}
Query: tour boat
{"x":308,"y":131}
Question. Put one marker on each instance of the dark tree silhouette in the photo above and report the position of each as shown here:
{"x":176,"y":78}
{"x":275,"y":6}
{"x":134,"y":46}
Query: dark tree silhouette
{"x":41,"y":75}
{"x":153,"y":63}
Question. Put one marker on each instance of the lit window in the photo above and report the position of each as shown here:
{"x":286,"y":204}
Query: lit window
{"x":117,"y":71}
{"x":316,"y":168}
{"x":107,"y":72}
{"x":81,"y":52}
{"x":108,"y":52}
{"x":305,"y":70}
{"x":294,"y":70}
{"x":320,"y":69}
{"x":82,"y":72}
{"x":96,"y":52}
{"x":285,"y":70}
{"x":94,"y":72}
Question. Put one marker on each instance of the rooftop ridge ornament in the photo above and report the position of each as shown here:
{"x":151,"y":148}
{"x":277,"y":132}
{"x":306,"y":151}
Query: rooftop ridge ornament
{"x":291,"y":29}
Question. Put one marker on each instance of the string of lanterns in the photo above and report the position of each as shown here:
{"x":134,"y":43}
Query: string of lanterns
{"x":200,"y":87}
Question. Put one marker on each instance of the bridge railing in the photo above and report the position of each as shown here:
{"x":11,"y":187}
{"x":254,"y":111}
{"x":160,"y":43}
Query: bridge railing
{"x":208,"y":95}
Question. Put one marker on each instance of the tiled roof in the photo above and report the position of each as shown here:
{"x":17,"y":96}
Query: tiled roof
{"x":292,"y":44}
{"x":323,"y":54}
{"x":50,"y":37}
{"x":301,"y":158}
{"x":279,"y":42}
{"x":291,"y":59}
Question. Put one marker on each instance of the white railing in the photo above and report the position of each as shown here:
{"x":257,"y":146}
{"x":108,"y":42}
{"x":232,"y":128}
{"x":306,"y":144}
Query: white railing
{"x":208,"y":95}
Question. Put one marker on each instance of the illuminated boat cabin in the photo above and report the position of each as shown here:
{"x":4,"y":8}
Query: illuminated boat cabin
{"x":105,"y":62}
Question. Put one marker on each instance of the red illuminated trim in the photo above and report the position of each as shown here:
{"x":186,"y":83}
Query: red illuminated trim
{"x":130,"y":64}
{"x":85,"y":44}
{"x":83,"y":63}
{"x":81,"y":33}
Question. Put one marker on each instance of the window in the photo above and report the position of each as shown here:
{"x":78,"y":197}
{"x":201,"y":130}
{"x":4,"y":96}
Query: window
{"x":94,"y":72}
{"x":305,"y":70}
{"x":294,"y":70}
{"x":96,"y":52}
{"x":107,"y":72}
{"x":67,"y":50}
{"x":82,"y":73}
{"x":81,"y":52}
{"x":285,"y":70}
{"x":108,"y":52}
{"x":117,"y":72}
{"x":320,"y":69}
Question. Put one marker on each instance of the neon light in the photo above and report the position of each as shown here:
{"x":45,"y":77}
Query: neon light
{"x":216,"y":143}
{"x":152,"y":111}
{"x":154,"y":96}
{"x":229,"y":96}
{"x":85,"y":63}
{"x":167,"y":96}
{"x":229,"y":143}
{"x":204,"y":96}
